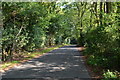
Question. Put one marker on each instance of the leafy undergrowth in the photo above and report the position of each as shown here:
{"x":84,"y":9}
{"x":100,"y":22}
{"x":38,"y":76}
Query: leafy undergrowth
{"x":98,"y":67}
{"x":28,"y":56}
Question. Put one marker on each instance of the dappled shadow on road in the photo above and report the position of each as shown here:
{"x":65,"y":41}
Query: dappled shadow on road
{"x":64,"y":62}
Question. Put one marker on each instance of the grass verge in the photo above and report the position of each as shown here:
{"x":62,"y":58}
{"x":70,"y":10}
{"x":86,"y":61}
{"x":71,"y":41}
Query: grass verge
{"x":28,"y":56}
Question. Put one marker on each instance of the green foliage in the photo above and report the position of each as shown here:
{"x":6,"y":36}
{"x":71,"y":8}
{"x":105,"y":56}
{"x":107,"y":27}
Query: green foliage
{"x":30,"y":26}
{"x":97,"y":29}
{"x":94,"y":60}
{"x":102,"y":43}
{"x":110,"y":75}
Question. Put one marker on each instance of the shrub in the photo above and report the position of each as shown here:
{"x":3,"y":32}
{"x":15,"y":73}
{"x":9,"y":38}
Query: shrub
{"x":110,"y":75}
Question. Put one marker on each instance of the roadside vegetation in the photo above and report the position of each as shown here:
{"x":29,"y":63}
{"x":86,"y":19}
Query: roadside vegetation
{"x":27,"y":56}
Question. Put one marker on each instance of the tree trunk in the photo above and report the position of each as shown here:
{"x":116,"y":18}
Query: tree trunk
{"x":100,"y":16}
{"x":108,"y":7}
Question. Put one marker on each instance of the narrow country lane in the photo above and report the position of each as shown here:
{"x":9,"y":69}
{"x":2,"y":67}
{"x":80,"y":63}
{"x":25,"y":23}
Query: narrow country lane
{"x":65,"y":62}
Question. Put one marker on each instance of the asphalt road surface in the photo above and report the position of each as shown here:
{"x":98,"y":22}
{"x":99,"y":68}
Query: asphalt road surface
{"x":63,"y":63}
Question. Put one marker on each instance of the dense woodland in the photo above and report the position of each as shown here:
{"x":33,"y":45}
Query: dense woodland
{"x":96,"y":26}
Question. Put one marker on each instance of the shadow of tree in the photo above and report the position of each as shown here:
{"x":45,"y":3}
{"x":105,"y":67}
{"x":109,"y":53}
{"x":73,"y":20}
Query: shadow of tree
{"x":65,"y":62}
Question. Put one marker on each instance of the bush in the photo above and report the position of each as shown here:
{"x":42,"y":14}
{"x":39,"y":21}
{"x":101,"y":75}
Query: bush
{"x":102,"y":44}
{"x":110,"y":75}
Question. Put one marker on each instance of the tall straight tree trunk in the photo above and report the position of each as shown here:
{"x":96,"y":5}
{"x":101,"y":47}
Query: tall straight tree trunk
{"x":95,"y":12}
{"x":100,"y":16}
{"x":3,"y":54}
{"x":108,"y":7}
